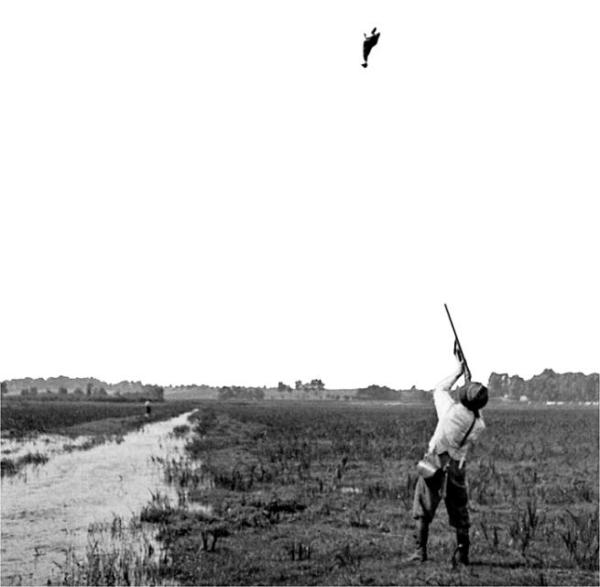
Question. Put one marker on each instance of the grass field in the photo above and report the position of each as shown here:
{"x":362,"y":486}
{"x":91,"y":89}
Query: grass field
{"x":100,"y":421}
{"x":25,"y":417}
{"x":320,"y":494}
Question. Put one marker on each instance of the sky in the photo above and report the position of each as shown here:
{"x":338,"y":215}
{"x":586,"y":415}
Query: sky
{"x":217,"y":192}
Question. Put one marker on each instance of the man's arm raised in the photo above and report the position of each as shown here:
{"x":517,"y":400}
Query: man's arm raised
{"x":447,"y":383}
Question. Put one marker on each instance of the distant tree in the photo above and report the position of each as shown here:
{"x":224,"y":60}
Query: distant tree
{"x":89,"y":388}
{"x":496,"y":385}
{"x":25,"y":392}
{"x":518,"y":386}
{"x":62,"y":391}
{"x":226,"y":392}
{"x":281,"y":386}
{"x":33,"y":390}
{"x":544,"y":386}
{"x":547,"y":386}
{"x":256,"y":393}
{"x":154,"y":392}
{"x":3,"y":388}
{"x":591,"y":388}
{"x":299,"y":384}
{"x":378,"y":392}
{"x":78,"y":391}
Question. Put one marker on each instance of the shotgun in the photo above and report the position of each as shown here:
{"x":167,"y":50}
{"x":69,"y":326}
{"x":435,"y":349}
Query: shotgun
{"x":460,"y":350}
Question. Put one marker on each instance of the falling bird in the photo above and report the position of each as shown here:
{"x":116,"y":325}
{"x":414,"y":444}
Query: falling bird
{"x":368,"y":44}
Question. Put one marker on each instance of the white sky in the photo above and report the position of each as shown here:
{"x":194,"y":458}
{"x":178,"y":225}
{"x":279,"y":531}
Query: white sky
{"x":217,"y":192}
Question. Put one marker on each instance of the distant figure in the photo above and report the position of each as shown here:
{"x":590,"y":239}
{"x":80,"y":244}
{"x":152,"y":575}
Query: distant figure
{"x":148,"y":409}
{"x":368,"y":44}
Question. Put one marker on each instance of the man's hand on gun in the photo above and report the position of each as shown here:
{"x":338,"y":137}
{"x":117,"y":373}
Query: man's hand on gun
{"x":458,"y":354}
{"x":460,"y":358}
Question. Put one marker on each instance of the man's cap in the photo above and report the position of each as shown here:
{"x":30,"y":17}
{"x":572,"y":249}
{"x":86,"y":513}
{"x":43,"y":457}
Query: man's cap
{"x":473,"y":395}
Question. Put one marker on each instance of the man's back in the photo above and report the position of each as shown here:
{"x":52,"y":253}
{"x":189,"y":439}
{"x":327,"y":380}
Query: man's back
{"x":454,"y":421}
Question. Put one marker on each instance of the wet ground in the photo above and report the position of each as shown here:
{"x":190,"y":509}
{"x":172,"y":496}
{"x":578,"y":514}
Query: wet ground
{"x":47,"y":509}
{"x":47,"y":445}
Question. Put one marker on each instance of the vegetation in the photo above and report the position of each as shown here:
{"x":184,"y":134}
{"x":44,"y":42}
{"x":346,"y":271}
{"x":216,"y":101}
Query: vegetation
{"x":73,"y":418}
{"x":241,"y":393}
{"x":273,"y":493}
{"x":74,"y":387}
{"x":382,"y":392}
{"x":320,"y":493}
{"x":117,"y":554}
{"x":99,"y":420}
{"x":547,"y":386}
{"x":10,"y":466}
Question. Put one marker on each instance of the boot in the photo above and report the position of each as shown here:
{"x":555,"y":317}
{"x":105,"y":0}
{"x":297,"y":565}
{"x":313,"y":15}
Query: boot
{"x":461,"y":554}
{"x":421,"y":535}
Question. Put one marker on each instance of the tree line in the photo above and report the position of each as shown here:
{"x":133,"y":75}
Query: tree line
{"x":547,"y":386}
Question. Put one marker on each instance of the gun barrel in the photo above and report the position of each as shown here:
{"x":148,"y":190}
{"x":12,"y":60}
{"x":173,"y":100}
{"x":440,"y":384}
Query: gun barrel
{"x":456,"y":338}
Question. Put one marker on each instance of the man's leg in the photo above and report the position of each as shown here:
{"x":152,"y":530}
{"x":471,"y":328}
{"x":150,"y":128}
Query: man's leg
{"x":421,"y":536}
{"x":425,"y":502}
{"x":462,"y":547}
{"x":458,"y":512}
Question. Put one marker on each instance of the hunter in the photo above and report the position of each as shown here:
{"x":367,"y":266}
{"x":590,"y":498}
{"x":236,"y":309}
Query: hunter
{"x":459,"y":425}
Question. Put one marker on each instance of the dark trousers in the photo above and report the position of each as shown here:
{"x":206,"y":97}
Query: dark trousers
{"x":449,"y":484}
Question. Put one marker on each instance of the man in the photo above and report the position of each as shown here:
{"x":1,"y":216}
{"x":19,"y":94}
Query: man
{"x":459,"y":425}
{"x":368,"y":44}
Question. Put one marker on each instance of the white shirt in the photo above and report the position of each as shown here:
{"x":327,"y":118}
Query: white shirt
{"x":454,"y":420}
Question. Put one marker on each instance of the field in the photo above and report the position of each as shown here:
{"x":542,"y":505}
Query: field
{"x":97,"y":420}
{"x":25,"y":417}
{"x":318,"y":494}
{"x":300,"y":493}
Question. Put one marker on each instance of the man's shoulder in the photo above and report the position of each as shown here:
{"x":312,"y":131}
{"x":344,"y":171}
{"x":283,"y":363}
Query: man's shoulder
{"x":464,"y":412}
{"x":443,"y":400}
{"x":443,"y":392}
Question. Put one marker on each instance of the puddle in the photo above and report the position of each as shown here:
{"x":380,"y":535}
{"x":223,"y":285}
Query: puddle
{"x":47,"y":511}
{"x":47,"y":445}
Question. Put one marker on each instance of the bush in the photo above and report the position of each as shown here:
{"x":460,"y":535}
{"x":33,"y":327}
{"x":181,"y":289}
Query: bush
{"x":580,"y":536}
